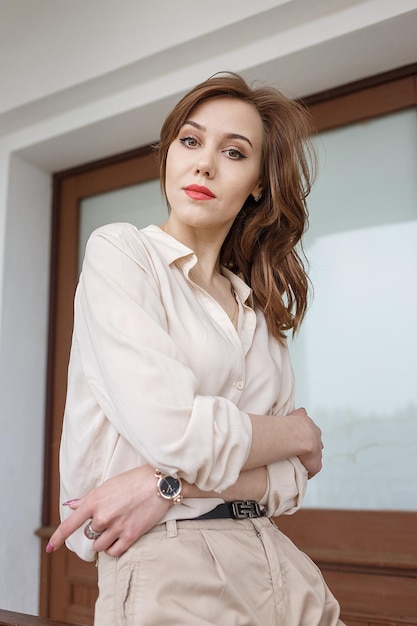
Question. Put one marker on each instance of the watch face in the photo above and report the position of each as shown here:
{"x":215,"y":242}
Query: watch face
{"x":169,"y":487}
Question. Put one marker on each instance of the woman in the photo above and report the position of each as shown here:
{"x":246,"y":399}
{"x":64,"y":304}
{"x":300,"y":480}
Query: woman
{"x":180,"y":437}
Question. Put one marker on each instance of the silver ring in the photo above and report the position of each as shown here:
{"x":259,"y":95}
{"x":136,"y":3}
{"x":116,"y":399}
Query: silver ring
{"x":90,"y":533}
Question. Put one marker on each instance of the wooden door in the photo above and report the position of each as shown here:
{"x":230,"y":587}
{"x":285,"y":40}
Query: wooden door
{"x":369,"y":558}
{"x":69,"y":585}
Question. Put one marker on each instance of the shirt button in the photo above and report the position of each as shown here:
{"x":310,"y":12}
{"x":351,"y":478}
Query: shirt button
{"x":240,"y":384}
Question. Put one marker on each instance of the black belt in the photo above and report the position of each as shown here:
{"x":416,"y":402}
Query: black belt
{"x":239,"y":509}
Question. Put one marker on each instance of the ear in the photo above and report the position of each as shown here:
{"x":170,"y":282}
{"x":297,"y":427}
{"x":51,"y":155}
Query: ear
{"x":257,"y":192}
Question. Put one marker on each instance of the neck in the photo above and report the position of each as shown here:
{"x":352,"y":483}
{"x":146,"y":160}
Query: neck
{"x":206,"y":247}
{"x":206,"y":272}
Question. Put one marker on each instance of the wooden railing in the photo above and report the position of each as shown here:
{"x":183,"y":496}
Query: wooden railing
{"x":368,"y":559}
{"x":10,"y":618}
{"x":356,"y":619}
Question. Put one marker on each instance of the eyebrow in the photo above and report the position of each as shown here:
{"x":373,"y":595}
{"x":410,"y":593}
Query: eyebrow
{"x":229,"y":135}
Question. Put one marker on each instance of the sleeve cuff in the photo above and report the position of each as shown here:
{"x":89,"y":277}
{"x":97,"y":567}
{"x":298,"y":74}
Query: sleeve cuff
{"x":287,"y":483}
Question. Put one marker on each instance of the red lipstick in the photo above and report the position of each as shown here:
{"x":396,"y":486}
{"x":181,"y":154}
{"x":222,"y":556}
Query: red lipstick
{"x":197,"y":192}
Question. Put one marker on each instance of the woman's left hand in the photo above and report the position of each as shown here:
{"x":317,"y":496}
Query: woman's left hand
{"x":122,"y":509}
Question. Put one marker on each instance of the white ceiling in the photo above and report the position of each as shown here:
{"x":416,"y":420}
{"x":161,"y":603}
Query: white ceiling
{"x":94,"y":102}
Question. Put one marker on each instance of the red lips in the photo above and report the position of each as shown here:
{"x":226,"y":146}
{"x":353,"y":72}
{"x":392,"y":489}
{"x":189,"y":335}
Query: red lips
{"x":198,"y":192}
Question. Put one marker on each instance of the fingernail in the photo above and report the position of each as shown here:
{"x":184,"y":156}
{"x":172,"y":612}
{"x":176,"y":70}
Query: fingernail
{"x":50,"y":547}
{"x":69,"y":502}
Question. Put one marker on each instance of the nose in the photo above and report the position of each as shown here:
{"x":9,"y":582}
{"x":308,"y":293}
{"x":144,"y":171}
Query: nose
{"x":205,"y":164}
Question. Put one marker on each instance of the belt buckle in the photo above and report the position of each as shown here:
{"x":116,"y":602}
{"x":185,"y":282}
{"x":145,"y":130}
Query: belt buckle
{"x":246,"y":508}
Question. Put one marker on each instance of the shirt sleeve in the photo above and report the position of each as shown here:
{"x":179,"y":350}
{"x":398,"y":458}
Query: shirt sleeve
{"x":140,"y":378}
{"x":287,"y":483}
{"x":287,"y":479}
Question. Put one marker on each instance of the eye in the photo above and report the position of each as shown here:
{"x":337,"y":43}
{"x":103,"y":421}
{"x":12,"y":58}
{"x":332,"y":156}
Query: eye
{"x":235,"y":154}
{"x":190,"y":142}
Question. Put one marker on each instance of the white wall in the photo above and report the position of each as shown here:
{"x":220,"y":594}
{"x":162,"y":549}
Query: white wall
{"x":23,"y":346}
{"x":82,"y":80}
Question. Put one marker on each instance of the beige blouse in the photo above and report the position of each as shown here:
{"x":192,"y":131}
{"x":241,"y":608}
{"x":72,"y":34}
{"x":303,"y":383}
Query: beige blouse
{"x":158,"y":374}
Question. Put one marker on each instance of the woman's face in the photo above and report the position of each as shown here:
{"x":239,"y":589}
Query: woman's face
{"x":214,"y":164}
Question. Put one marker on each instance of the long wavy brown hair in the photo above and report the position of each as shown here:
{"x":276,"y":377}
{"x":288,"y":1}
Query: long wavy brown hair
{"x":264,"y":245}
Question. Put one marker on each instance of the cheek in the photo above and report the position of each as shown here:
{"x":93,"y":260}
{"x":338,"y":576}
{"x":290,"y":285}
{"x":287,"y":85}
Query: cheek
{"x":169,"y":169}
{"x":169,"y":190}
{"x":171,"y":176}
{"x":174,"y":164}
{"x":248,"y":183}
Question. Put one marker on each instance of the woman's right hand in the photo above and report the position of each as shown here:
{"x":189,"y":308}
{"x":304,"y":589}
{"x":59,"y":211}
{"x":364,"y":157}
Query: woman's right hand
{"x":122,"y":509}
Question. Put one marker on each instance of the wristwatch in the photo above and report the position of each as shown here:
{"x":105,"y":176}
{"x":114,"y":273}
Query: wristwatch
{"x":169,"y":487}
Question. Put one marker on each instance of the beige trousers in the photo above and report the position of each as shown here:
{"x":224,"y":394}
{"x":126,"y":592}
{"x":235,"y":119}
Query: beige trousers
{"x":213,"y":572}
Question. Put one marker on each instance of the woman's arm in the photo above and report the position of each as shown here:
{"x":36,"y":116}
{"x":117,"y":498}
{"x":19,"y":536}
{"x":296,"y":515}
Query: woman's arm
{"x":278,"y":438}
{"x":127,"y":506}
{"x":251,"y":485}
{"x":298,"y":436}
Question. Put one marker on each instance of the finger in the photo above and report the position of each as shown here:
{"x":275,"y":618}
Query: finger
{"x":121,"y":543}
{"x":72,"y":504}
{"x":300,"y":409}
{"x":115,"y":541}
{"x":117,"y":548}
{"x":107,"y":539}
{"x":67,"y":527}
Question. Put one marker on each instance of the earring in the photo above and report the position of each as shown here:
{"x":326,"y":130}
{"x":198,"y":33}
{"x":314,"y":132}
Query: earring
{"x":257,"y":198}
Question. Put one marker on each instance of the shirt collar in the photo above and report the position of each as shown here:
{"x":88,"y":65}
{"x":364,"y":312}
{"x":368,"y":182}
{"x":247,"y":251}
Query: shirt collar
{"x":242,"y":289}
{"x":169,"y":247}
{"x":172,"y":250}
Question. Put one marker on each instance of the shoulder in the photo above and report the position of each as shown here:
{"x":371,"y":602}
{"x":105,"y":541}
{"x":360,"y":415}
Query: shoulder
{"x":150,"y":247}
{"x":120,"y":239}
{"x":119,"y":257}
{"x":117,"y":234}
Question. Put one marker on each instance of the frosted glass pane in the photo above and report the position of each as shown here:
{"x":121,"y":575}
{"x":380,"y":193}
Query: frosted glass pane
{"x":140,"y":205}
{"x":355,"y":359}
